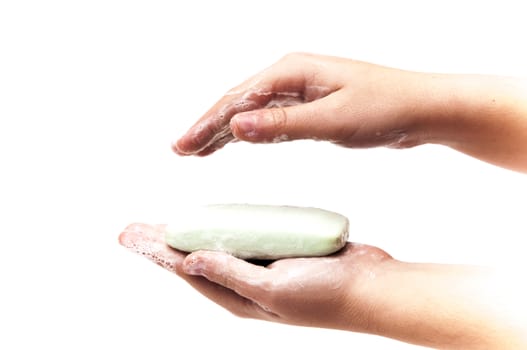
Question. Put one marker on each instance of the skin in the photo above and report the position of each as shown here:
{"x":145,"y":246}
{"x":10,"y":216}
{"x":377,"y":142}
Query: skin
{"x":362,"y":288}
{"x":358,"y":104}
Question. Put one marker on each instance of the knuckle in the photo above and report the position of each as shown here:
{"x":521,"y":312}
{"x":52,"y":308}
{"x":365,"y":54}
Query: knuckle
{"x":294,"y":56}
{"x":278,"y":118}
{"x":272,"y":295}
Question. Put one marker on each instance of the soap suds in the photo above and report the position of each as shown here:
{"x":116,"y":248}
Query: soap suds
{"x":213,"y":133}
{"x":281,"y":138}
{"x":148,"y":241}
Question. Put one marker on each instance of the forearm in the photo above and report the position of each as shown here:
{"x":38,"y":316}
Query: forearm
{"x":482,"y":116}
{"x":449,"y":306}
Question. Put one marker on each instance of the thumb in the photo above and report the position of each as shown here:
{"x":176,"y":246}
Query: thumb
{"x":244,"y":278}
{"x":313,"y":120}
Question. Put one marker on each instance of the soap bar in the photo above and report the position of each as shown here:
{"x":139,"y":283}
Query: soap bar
{"x":251,"y":231}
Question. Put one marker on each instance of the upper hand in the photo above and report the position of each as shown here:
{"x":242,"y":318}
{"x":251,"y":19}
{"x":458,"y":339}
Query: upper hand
{"x":306,"y":96}
{"x":357,"y":104}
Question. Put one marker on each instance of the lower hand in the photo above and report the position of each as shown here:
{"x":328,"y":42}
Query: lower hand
{"x":361,"y":289}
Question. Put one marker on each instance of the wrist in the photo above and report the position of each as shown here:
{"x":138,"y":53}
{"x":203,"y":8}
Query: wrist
{"x":439,"y":109}
{"x":482,"y":116}
{"x":447,"y":306}
{"x":452,"y":107}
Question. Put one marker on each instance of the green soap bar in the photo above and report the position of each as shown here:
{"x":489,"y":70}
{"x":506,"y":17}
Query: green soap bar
{"x":259,"y":231}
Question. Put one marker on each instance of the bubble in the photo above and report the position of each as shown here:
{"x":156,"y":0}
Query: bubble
{"x":281,"y":138}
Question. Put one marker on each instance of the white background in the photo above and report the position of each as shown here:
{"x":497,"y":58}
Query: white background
{"x":93,"y":92}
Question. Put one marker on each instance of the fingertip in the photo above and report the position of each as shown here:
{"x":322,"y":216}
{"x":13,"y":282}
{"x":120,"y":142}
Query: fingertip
{"x":131,"y":234}
{"x":180,"y":148}
{"x":196,"y":139}
{"x":124,"y":239}
{"x":262,"y":126}
{"x":193,"y":264}
{"x":175,"y":147}
{"x":207,"y":263}
{"x":244,"y":126}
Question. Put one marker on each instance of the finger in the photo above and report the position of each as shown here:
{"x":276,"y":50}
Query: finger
{"x":149,"y":241}
{"x":228,"y":298}
{"x":245,"y":279}
{"x":319,"y":120}
{"x":216,"y":145}
{"x":285,"y":83}
{"x":214,"y":126}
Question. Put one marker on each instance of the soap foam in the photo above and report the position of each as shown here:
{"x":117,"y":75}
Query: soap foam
{"x":148,"y":241}
{"x":214,"y":133}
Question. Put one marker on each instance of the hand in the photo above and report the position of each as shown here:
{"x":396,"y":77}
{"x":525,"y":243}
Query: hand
{"x":357,"y":104}
{"x":305,"y":96}
{"x":361,"y":288}
{"x":294,"y":291}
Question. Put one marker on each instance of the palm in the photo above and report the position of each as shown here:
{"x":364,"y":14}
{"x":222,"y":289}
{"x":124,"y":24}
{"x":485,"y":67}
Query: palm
{"x":303,"y":291}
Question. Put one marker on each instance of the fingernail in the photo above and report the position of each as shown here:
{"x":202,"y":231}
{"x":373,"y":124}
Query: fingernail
{"x":193,"y":267}
{"x":177,"y":149}
{"x":245,"y":124}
